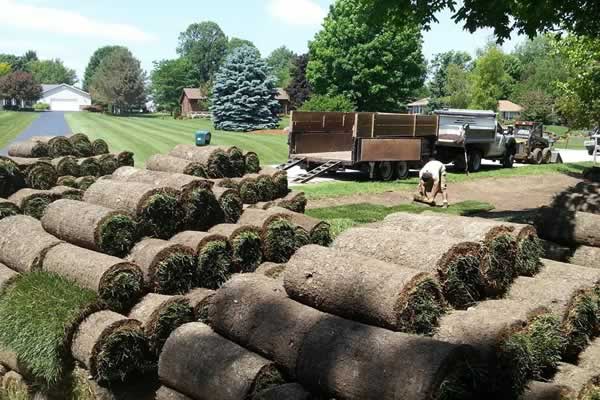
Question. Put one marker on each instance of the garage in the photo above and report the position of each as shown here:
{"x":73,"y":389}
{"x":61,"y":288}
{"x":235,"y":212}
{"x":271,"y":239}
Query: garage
{"x":63,"y":97}
{"x":64,"y":105}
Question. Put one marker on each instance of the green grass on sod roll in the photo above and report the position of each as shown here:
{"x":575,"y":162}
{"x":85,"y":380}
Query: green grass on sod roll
{"x":82,"y":147}
{"x":462,"y":284}
{"x":423,"y":313}
{"x":219,"y":165}
{"x":252,"y":163}
{"x":67,"y":180}
{"x":8,"y":209}
{"x":237,"y":162}
{"x":499,"y":254}
{"x":11,"y":178}
{"x":247,"y":251}
{"x":60,"y":146}
{"x":321,"y":235}
{"x":161,"y":216}
{"x":529,"y":252}
{"x":35,"y":206}
{"x":581,"y":323}
{"x":90,"y":167}
{"x":202,"y":210}
{"x":461,"y":383}
{"x":85,"y":182}
{"x":125,"y":159}
{"x":171,"y":317}
{"x":232,"y":207}
{"x":108,"y":164}
{"x":249,"y":193}
{"x":41,"y":176}
{"x":280,"y":241}
{"x":195,"y":169}
{"x":213,"y":265}
{"x":68,"y":166}
{"x":122,"y":289}
{"x":38,"y":314}
{"x":99,"y":146}
{"x":113,"y":362}
{"x":118,"y":235}
{"x":176,"y":274}
{"x":266,"y":188}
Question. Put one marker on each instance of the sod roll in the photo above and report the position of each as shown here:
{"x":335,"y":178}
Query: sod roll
{"x":82,"y":387}
{"x":246,"y":245}
{"x":85,"y":182}
{"x":24,"y":243}
{"x":108,"y":163}
{"x":67,"y":180}
{"x":34,"y":202}
{"x":165,"y":393}
{"x":252,"y":162}
{"x":266,"y":188}
{"x":38,"y":174}
{"x":67,"y":166}
{"x":157,"y":209}
{"x":364,"y":289}
{"x":111,"y":346}
{"x":318,"y":230}
{"x":7,"y":275}
{"x":168,"y":268}
{"x":126,"y":159}
{"x":280,"y":180}
{"x":230,"y":203}
{"x":214,"y":256}
{"x":214,"y":158}
{"x":67,"y":192}
{"x":202,"y":364}
{"x":288,"y":391}
{"x":164,"y":163}
{"x":58,"y":146}
{"x":117,"y":282}
{"x":455,"y":262}
{"x":11,"y":177}
{"x":177,"y":181}
{"x":30,"y":148}
{"x":272,"y":270}
{"x":199,"y":299}
{"x":293,"y":201}
{"x":91,"y":226}
{"x":99,"y":146}
{"x":570,"y":228}
{"x":82,"y":146}
{"x":586,"y":256}
{"x":90,"y":167}
{"x":237,"y":161}
{"x":245,"y":186}
{"x":160,"y":315}
{"x":8,"y":208}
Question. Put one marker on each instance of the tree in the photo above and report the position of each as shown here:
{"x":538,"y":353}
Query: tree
{"x":97,"y":58}
{"x":5,"y":69}
{"x":243,"y":97}
{"x":281,"y":61}
{"x":538,"y":106}
{"x":376,"y":66}
{"x":119,"y":82}
{"x":235,"y":43}
{"x":299,"y":89}
{"x":457,"y":87}
{"x":205,"y":45}
{"x":490,"y":81}
{"x":168,"y":78}
{"x":439,"y":70}
{"x":19,"y":63}
{"x":52,"y":71}
{"x":321,"y":103}
{"x":20,"y":86}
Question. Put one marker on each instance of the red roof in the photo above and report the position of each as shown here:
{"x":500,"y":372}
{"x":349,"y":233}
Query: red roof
{"x":193,"y":94}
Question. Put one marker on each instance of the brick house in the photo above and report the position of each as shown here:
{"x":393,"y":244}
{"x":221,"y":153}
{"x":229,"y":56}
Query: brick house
{"x":193,"y":102}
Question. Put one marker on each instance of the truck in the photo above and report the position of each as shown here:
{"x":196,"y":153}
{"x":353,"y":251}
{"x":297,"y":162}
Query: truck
{"x":593,"y":141}
{"x":383,"y":145}
{"x":467,"y":136}
{"x":533,"y":146}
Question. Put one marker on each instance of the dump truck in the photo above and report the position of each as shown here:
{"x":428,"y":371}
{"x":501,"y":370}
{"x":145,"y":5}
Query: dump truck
{"x":383,"y":145}
{"x":467,"y":136}
{"x":533,"y":146}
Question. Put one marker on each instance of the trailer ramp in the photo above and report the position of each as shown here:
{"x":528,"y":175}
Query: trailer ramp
{"x":292,"y":162}
{"x":320,"y":170}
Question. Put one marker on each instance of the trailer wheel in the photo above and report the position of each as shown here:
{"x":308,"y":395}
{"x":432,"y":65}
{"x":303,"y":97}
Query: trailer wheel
{"x":508,"y":160}
{"x":474,"y":161}
{"x":386,"y":170}
{"x":536,"y":156}
{"x":546,"y":155}
{"x":402,"y":170}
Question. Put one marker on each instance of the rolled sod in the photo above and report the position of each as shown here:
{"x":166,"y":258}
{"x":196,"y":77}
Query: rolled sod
{"x":165,"y":393}
{"x":157,"y":209}
{"x":252,"y":162}
{"x":177,"y":181}
{"x":455,"y":262}
{"x":164,"y":163}
{"x":168,"y":268}
{"x":230,"y":203}
{"x":90,"y":167}
{"x":288,"y":391}
{"x":67,"y":166}
{"x":8,"y":208}
{"x":126,"y":159}
{"x":586,"y":256}
{"x":280,"y":180}
{"x":30,"y":148}
{"x":58,"y":146}
{"x":99,"y":146}
{"x":318,"y":230}
{"x":67,"y":192}
{"x":82,"y":387}
{"x":67,"y":180}
{"x":246,"y":245}
{"x":265,"y":187}
{"x":520,"y":342}
{"x":279,"y":236}
{"x":245,"y":186}
{"x":34,"y":202}
{"x":39,"y":313}
{"x":160,"y":315}
{"x":272,"y":270}
{"x":237,"y":161}
{"x":293,"y":201}
{"x":530,"y":249}
{"x":85,"y":182}
{"x":91,"y":226}
{"x":198,"y":362}
{"x":108,"y":163}
{"x":112,"y":347}
{"x":364,"y":289}
{"x":11,"y":177}
{"x":199,"y":299}
{"x":214,"y":158}
{"x":569,"y":228}
{"x":214,"y":255}
{"x":38,"y":174}
{"x":82,"y":146}
{"x":118,"y":283}
{"x":7,"y":276}
{"x":24,"y":243}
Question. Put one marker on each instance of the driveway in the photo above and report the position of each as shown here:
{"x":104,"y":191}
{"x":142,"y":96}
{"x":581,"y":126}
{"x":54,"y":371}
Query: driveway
{"x":49,"y":123}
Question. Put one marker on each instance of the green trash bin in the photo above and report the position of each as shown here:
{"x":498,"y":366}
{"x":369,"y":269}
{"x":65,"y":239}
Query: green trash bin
{"x":202,"y":138}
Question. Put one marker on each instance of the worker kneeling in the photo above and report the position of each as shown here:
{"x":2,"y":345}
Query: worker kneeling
{"x":432,"y":181}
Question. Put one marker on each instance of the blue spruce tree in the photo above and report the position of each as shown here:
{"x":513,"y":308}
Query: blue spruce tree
{"x":243,"y":96}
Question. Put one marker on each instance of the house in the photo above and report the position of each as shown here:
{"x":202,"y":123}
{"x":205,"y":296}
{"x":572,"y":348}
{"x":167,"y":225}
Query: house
{"x":509,"y":110}
{"x":193,"y":102}
{"x":284,"y":100}
{"x":63,"y":97}
{"x":418,"y":107}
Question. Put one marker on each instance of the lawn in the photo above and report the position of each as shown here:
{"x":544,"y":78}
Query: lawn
{"x":12,"y":124}
{"x":150,"y":134}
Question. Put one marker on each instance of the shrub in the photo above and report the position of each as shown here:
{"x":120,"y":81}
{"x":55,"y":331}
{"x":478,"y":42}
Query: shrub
{"x":41,"y":106}
{"x":94,"y":108}
{"x":328,"y":103}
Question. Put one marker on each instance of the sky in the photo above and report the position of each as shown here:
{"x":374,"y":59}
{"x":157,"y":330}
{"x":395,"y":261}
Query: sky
{"x":73,"y":29}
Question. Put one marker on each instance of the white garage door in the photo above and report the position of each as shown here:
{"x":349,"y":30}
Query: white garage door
{"x":64,"y":105}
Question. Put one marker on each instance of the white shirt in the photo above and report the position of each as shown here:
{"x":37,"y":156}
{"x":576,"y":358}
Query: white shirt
{"x":435,"y":168}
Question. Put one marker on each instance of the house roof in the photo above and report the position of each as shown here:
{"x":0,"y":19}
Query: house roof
{"x":193,"y":94}
{"x":282,"y":94}
{"x":49,"y":87}
{"x":422,"y":102}
{"x":508,"y":106}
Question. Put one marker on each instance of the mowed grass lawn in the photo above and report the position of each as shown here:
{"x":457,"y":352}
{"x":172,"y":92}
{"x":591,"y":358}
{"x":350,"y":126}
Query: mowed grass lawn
{"x":12,"y":124}
{"x":146,"y":135}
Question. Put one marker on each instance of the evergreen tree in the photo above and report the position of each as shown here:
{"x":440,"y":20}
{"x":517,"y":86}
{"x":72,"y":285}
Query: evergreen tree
{"x":243,"y":97}
{"x":299,"y":89}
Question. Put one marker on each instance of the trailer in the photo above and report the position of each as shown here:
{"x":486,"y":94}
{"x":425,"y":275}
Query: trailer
{"x":381,"y":144}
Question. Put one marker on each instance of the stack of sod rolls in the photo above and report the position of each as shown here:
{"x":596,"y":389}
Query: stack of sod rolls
{"x":215,"y":159}
{"x":157,"y":209}
{"x":58,"y":146}
{"x":319,"y":358}
{"x":11,"y":177}
{"x":245,"y":186}
{"x":200,"y":363}
{"x":164,"y":163}
{"x":245,"y":243}
{"x":8,"y":208}
{"x":37,"y":173}
{"x":28,"y":149}
{"x":34,"y":202}
{"x":82,"y":146}
{"x":455,"y":262}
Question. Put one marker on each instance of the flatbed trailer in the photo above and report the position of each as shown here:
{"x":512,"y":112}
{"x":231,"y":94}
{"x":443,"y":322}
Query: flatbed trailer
{"x":382,"y":144}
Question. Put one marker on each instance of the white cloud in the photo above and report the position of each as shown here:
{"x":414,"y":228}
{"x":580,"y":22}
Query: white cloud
{"x":297,"y":12}
{"x":46,"y":19}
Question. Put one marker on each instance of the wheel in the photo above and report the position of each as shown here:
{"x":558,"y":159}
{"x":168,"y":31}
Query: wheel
{"x":508,"y":160}
{"x":474,"y":161}
{"x":536,"y":156}
{"x":386,"y":170}
{"x":590,"y":151}
{"x":402,"y":170}
{"x":546,"y":155}
{"x":459,"y":163}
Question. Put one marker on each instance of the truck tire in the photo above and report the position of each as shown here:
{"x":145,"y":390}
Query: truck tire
{"x":536,"y":156}
{"x":402,"y":170}
{"x":386,"y":170}
{"x":590,"y":151}
{"x":546,"y":155}
{"x":508,"y":160}
{"x":474,"y":161}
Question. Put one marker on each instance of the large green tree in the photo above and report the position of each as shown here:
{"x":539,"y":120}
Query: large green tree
{"x":119,"y":82}
{"x":376,"y":66}
{"x":21,"y":86}
{"x":439,"y":70}
{"x":52,"y":71}
{"x":97,"y":58}
{"x":5,"y":69}
{"x":299,"y":88}
{"x":19,"y":63}
{"x":168,"y":78}
{"x":281,"y":61}
{"x":457,"y":87}
{"x":490,"y":80}
{"x":206,"y":46}
{"x":235,"y":43}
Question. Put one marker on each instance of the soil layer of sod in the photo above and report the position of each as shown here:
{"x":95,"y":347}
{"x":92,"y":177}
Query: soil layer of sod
{"x":164,"y":163}
{"x":246,"y":245}
{"x":31,"y":148}
{"x":34,"y":202}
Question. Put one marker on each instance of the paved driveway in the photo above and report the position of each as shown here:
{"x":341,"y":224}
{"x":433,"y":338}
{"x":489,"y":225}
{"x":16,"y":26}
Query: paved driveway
{"x":49,"y":123}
